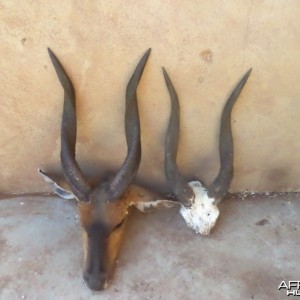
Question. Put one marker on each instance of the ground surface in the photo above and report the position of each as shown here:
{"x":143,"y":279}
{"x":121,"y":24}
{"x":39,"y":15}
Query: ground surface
{"x":253,"y":248}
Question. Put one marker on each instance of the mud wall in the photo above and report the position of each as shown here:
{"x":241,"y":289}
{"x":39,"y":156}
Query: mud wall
{"x":206,"y":47}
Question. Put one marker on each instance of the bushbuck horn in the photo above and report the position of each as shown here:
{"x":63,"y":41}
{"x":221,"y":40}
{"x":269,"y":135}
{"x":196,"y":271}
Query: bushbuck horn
{"x":72,"y":172}
{"x":178,"y":183}
{"x":221,"y":184}
{"x":132,"y":127}
{"x":103,"y":208}
{"x":198,"y":204}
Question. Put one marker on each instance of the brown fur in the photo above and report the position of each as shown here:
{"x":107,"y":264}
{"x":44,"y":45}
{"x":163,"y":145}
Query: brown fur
{"x":112,"y":215}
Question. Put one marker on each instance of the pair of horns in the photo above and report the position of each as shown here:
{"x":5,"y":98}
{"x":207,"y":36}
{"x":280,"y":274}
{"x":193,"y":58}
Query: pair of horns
{"x":120,"y":182}
{"x":221,"y":184}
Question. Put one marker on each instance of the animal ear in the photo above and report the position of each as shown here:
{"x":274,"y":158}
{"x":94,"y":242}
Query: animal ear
{"x":147,"y":201}
{"x":56,"y":187}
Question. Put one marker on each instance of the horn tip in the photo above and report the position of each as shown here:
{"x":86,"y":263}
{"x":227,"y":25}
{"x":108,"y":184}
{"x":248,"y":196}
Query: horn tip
{"x":248,"y":73}
{"x":146,"y":55}
{"x":167,"y":78}
{"x":244,"y":79}
{"x":50,"y":51}
{"x":52,"y":56}
{"x":166,"y":75}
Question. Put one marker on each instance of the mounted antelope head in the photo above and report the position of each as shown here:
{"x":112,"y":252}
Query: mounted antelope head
{"x":103,"y":208}
{"x":198,"y":203}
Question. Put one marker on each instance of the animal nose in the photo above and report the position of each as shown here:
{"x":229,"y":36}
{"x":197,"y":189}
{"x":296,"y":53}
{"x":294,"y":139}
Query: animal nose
{"x":96,"y":282}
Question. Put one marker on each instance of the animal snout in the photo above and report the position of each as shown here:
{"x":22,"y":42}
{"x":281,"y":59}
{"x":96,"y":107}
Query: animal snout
{"x":96,"y":282}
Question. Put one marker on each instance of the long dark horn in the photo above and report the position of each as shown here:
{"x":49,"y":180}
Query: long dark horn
{"x":177,"y":182}
{"x":221,"y":184}
{"x":128,"y":170}
{"x":80,"y":187}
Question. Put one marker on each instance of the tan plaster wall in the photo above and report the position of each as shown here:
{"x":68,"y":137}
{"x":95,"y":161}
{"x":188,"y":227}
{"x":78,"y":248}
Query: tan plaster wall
{"x":205,"y":45}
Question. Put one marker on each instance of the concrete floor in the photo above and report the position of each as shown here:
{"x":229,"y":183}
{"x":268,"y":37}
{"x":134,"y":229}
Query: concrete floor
{"x":253,"y":248}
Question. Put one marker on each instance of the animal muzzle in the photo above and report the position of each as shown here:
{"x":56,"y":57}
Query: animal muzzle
{"x":96,"y":281}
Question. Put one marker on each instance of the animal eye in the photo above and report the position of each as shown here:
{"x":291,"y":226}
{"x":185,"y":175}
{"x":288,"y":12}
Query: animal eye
{"x":120,"y":224}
